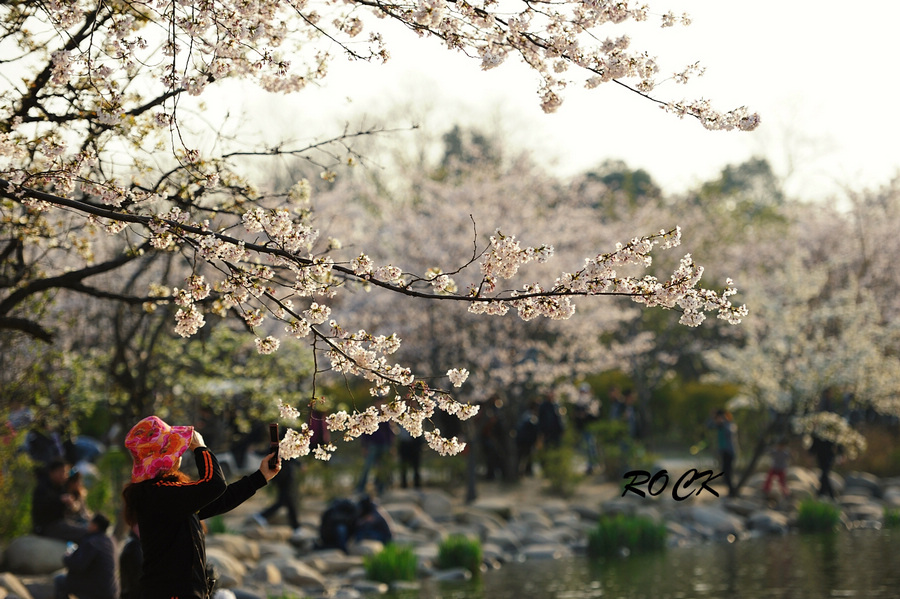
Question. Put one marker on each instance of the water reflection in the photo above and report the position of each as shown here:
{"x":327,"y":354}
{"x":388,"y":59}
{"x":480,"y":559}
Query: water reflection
{"x":858,"y":564}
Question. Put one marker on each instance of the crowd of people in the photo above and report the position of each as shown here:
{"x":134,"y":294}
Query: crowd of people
{"x":164,"y":507}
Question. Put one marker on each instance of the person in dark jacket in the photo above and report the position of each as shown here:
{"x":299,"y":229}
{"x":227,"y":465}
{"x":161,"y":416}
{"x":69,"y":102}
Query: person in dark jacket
{"x":168,"y":506}
{"x":130,"y":562}
{"x":91,"y":568}
{"x":373,"y":523}
{"x":826,"y":453}
{"x":550,"y":423}
{"x":50,"y":504}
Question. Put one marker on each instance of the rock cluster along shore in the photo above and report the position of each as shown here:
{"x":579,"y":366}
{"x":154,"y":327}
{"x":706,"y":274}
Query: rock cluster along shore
{"x":522,"y":522}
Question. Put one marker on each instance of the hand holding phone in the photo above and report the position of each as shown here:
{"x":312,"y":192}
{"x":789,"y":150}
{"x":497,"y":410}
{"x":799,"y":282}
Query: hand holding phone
{"x":273,"y":445}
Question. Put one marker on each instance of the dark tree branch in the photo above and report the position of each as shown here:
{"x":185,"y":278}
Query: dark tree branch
{"x":26,"y":326}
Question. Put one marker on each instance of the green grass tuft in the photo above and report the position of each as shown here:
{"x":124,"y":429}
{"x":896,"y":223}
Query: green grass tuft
{"x":394,"y":562}
{"x":626,"y":534}
{"x":459,"y":551}
{"x":817,"y":516}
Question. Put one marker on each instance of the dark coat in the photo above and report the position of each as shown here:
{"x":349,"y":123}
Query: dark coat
{"x":92,"y":568}
{"x":47,"y":505}
{"x":172,"y":539}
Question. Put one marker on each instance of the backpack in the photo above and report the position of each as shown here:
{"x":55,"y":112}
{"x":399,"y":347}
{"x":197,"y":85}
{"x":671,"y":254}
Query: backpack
{"x":338,"y":524}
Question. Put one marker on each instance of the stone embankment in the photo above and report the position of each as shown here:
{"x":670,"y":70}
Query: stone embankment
{"x":521,"y":522}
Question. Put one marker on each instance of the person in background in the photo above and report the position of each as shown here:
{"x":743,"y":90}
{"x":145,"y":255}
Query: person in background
{"x":492,"y":438}
{"x":377,"y":448}
{"x":168,"y":506}
{"x":130,"y":563}
{"x":91,"y":568}
{"x":586,"y":409}
{"x":372,"y":523}
{"x":77,"y":510}
{"x":726,"y":439}
{"x":51,"y":504}
{"x":286,"y":486}
{"x":780,"y":456}
{"x":550,"y":423}
{"x":409,"y":449}
{"x":826,"y":452}
{"x":526,"y":440}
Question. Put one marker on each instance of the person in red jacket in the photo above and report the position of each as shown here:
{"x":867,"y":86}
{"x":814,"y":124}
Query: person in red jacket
{"x":167,"y":506}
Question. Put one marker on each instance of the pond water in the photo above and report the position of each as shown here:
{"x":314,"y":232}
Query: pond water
{"x":849,"y":564}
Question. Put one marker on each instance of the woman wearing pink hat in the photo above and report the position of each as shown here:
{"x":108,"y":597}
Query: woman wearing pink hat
{"x":167,"y":506}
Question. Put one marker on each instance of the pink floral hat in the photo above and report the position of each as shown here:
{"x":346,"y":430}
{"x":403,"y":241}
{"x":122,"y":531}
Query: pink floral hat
{"x":155,"y":447}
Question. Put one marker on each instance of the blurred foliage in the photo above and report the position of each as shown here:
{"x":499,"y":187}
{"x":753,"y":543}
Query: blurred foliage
{"x":114,"y":472}
{"x":558,"y":468}
{"x":460,"y":551}
{"x":624,"y":535}
{"x":394,"y":562}
{"x":619,"y":452}
{"x":882,"y":455}
{"x":814,"y":515}
{"x":16,"y":484}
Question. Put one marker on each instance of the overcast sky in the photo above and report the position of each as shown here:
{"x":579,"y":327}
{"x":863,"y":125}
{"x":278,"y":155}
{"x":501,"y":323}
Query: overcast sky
{"x":822,"y":75}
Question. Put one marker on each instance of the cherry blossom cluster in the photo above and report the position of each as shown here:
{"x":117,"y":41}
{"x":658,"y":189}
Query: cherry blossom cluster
{"x":363,"y":354}
{"x":505,"y":256}
{"x":409,"y":413}
{"x":120,"y":75}
{"x":739,"y":118}
{"x":280,"y":228}
{"x":830,"y":426}
{"x":601,"y":275}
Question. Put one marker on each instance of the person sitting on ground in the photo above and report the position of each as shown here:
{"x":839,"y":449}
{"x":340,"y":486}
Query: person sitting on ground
{"x":91,"y":568}
{"x":76,"y":509}
{"x":50,"y":504}
{"x":372,"y":523}
{"x":338,"y":524}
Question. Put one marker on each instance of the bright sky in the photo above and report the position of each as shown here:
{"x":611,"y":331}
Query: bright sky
{"x":820,"y":73}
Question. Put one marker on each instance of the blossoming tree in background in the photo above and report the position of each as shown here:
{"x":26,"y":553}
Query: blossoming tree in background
{"x":821,"y":346}
{"x":103,"y":163}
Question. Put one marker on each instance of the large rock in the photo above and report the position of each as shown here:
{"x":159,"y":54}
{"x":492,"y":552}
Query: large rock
{"x":863,"y":480}
{"x":365,"y":547}
{"x":31,"y":554}
{"x":228,"y":568}
{"x":768,"y":521}
{"x":438,"y":505}
{"x":864,"y":512}
{"x":535,"y":518}
{"x":332,"y":561}
{"x":504,"y":507}
{"x":619,"y":505}
{"x":270,"y":550}
{"x":717,"y":519}
{"x":586,"y":512}
{"x":487,"y":521}
{"x":296,"y":573}
{"x":543,"y":552}
{"x":276,"y":534}
{"x":13,"y":587}
{"x":505,"y":539}
{"x":266,"y":574}
{"x":237,"y":546}
{"x":892,"y":496}
{"x":404,"y":512}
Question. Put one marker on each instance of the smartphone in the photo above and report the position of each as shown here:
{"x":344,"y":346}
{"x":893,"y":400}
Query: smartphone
{"x":273,"y":445}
